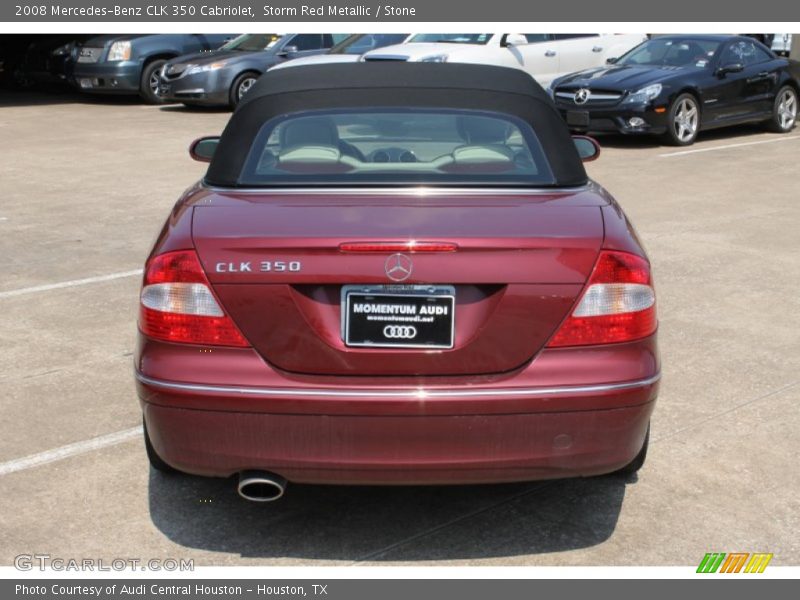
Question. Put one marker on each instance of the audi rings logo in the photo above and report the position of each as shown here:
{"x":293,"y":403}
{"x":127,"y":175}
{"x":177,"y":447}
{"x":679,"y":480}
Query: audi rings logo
{"x":398,"y":267}
{"x":582,"y":96}
{"x":400,"y":332}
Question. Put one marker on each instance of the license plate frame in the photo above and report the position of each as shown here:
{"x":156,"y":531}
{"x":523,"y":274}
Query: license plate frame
{"x":578,"y":118}
{"x":437,"y":334}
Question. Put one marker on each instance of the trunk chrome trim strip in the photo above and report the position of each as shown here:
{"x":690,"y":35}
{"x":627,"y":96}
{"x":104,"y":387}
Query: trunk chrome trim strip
{"x":401,"y":191}
{"x":411,"y":394}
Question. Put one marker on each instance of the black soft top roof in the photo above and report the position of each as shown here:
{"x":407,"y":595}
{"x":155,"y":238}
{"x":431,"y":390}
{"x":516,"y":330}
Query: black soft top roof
{"x":395,"y":84}
{"x":391,"y":74}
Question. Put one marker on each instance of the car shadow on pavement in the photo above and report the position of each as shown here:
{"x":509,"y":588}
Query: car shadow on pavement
{"x":184,"y":108}
{"x":377,"y":524}
{"x":62,"y":95}
{"x":735,"y":134}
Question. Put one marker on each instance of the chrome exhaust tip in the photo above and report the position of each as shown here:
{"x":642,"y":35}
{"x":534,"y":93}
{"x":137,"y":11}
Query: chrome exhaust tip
{"x":261,"y":486}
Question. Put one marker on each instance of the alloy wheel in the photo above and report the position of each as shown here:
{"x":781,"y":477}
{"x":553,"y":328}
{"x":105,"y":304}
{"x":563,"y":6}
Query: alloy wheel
{"x":686,"y":120}
{"x":245,"y":86}
{"x":154,"y":82}
{"x":787,"y":109}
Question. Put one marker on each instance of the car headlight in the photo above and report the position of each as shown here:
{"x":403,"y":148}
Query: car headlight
{"x":63,"y":50}
{"x":644,"y":95}
{"x":439,"y":58}
{"x":204,"y":68}
{"x":119,"y":51}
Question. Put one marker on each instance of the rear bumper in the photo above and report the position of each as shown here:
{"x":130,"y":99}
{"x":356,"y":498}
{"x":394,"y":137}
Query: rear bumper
{"x":487,"y":430}
{"x":400,"y":450}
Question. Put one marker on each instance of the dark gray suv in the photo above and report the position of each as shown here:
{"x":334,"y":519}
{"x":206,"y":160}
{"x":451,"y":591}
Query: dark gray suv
{"x":130,"y":64}
{"x":221,"y":78}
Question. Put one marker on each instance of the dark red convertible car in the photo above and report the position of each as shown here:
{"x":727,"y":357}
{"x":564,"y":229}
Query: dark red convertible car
{"x":396,"y":274}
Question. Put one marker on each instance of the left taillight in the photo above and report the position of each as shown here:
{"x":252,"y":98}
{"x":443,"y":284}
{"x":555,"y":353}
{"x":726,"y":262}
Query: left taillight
{"x":618,"y":304}
{"x":177,"y":304}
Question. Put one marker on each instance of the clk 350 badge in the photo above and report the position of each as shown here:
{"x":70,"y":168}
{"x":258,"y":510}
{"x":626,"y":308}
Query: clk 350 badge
{"x":266,"y":266}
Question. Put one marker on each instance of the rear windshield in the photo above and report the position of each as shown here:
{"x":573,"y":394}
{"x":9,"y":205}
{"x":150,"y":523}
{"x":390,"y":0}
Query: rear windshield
{"x":391,"y":146}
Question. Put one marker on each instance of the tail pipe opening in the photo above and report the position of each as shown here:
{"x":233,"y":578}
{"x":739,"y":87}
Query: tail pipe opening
{"x":261,"y":486}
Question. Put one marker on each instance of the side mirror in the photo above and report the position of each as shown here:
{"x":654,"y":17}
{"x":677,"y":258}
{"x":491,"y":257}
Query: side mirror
{"x":202,"y":149}
{"x":516,"y":39}
{"x":730,"y":68}
{"x":587,"y":147}
{"x":288,"y":52}
{"x":611,"y":60}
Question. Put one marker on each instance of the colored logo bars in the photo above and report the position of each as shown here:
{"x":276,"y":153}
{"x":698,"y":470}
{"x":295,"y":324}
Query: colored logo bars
{"x":734,"y":562}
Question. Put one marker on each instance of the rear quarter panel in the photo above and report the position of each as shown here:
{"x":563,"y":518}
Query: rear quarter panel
{"x":176,"y":232}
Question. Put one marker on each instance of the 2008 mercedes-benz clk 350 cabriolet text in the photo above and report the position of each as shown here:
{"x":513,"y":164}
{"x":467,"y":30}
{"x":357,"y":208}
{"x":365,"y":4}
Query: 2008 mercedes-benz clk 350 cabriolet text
{"x":396,"y":274}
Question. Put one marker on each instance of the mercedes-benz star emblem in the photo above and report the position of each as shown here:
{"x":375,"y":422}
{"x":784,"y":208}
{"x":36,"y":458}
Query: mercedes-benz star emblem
{"x":398,"y":267}
{"x":582,"y":95}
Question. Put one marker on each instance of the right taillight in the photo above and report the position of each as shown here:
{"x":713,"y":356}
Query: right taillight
{"x":618,"y":304}
{"x":177,"y":304}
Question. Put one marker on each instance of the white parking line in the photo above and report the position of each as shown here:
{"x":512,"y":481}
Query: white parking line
{"x":67,"y":284}
{"x":725,"y":147}
{"x":43,"y":458}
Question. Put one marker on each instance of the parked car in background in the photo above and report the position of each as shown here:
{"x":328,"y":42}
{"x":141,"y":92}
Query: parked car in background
{"x":224,"y":77}
{"x":679,"y":85}
{"x":388,"y":278}
{"x":48,"y":59}
{"x":349,"y":49}
{"x":12,"y":54}
{"x":544,"y":56}
{"x":129,"y":64}
{"x":782,"y":44}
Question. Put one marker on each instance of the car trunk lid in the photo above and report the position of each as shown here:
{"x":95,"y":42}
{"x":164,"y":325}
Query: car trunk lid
{"x":276,"y":263}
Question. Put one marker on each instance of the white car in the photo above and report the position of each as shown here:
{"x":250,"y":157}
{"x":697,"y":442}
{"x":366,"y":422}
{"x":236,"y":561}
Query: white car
{"x":782,"y":43}
{"x":545,"y":56}
{"x":349,"y":49}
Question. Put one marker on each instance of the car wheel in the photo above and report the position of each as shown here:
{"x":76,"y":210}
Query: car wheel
{"x":155,"y":460}
{"x":784,"y":111}
{"x":148,"y":87}
{"x":638,"y":462}
{"x":683,"y":122}
{"x":241,"y":85}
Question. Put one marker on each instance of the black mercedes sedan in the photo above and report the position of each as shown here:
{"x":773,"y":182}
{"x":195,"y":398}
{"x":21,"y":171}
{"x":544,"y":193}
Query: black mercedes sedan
{"x":679,"y":85}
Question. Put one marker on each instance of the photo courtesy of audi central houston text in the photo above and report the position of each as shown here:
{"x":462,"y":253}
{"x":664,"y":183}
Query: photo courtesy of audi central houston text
{"x":401,"y":274}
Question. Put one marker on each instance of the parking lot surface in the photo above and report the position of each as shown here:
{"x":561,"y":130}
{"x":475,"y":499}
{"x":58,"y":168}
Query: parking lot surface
{"x":85,"y":187}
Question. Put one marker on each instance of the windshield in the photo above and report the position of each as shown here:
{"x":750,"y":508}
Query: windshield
{"x":452,"y":38}
{"x":393,"y":146}
{"x":672,"y":53}
{"x":361,"y":43}
{"x":252,"y":42}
